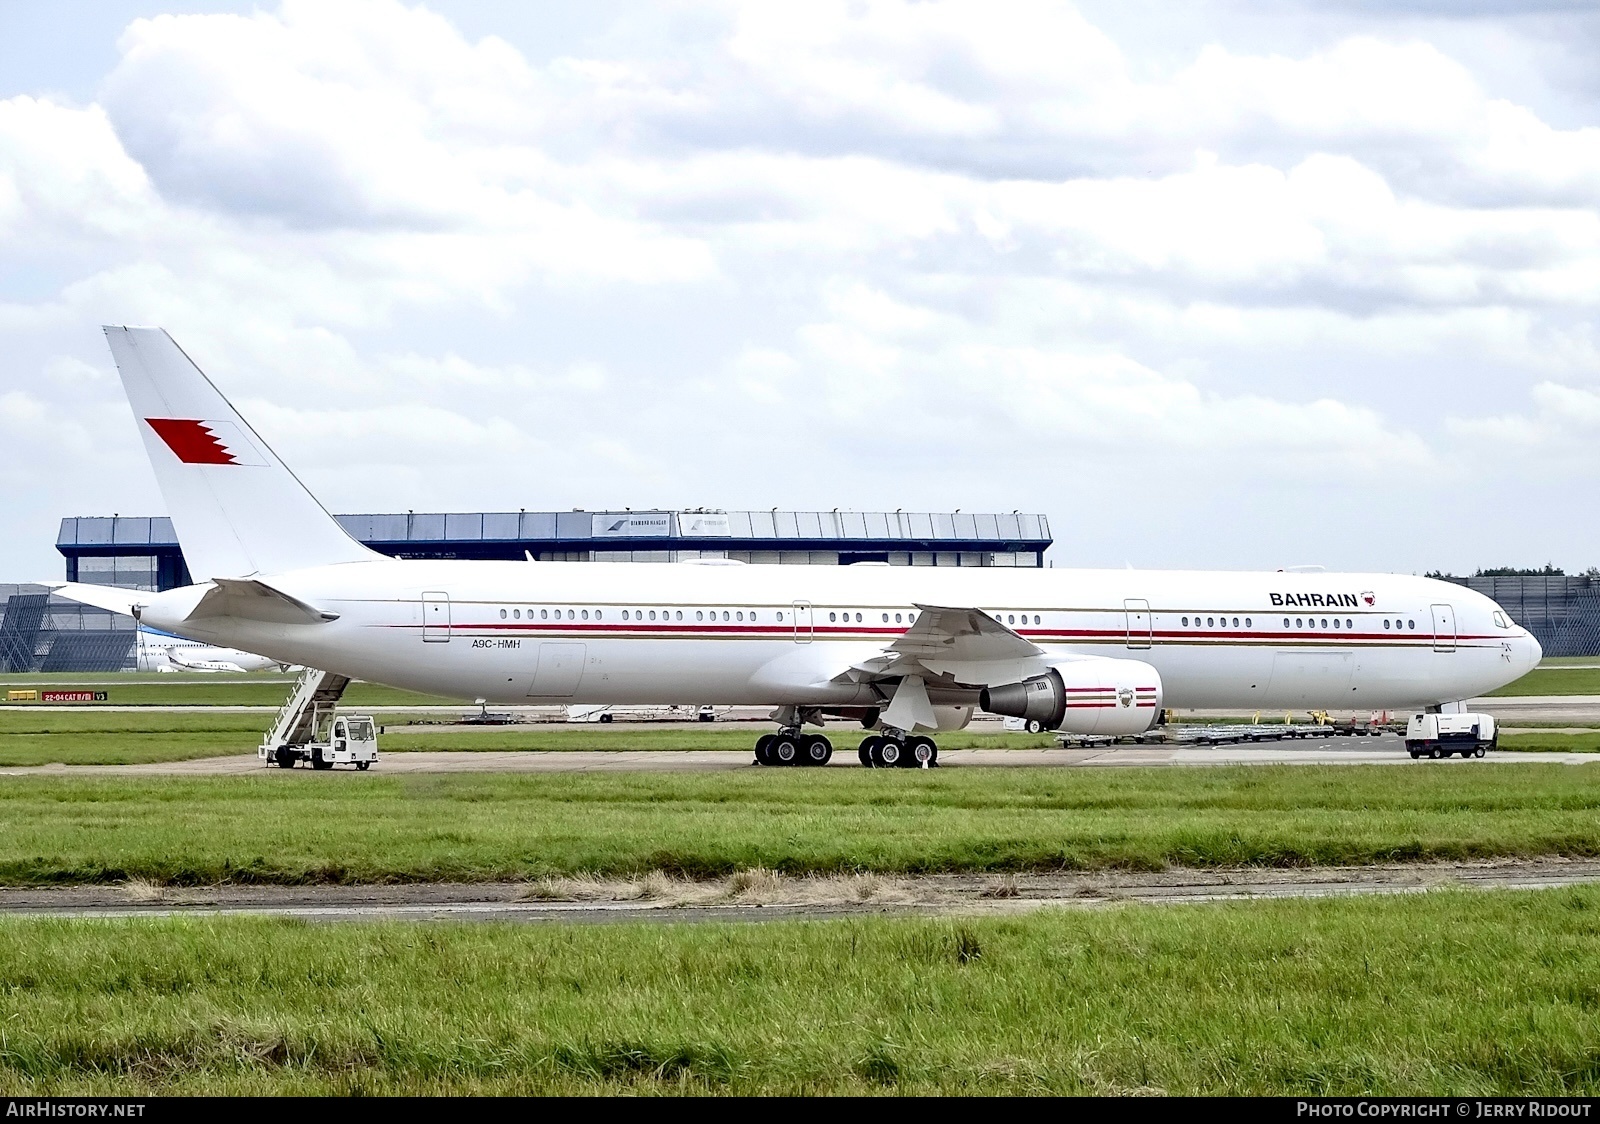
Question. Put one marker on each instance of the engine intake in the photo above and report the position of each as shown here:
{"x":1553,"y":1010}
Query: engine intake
{"x":1092,"y":696}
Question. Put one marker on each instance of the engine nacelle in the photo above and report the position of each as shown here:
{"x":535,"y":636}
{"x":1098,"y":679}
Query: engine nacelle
{"x":952,"y":718}
{"x":1093,"y":696}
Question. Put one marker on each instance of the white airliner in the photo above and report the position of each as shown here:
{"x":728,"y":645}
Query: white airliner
{"x":158,"y":651}
{"x":903,"y":651}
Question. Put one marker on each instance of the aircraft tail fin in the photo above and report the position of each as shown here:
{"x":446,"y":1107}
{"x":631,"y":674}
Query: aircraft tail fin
{"x":237,"y":508}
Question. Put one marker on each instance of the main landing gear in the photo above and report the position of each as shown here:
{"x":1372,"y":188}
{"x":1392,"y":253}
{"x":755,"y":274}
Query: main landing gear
{"x":877,"y":751}
{"x":896,"y":750}
{"x":791,"y":747}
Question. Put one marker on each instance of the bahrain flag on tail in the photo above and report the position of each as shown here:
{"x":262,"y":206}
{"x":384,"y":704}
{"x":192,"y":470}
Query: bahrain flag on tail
{"x":206,"y":442}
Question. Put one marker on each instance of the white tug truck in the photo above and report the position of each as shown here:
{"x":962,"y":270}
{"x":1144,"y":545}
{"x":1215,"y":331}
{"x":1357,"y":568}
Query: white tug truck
{"x":1440,"y":735}
{"x":308,"y":729}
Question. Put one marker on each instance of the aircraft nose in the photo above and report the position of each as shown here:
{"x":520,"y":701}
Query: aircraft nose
{"x":1532,"y":651}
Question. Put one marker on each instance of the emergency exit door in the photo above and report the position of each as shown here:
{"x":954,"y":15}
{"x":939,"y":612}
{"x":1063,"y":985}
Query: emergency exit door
{"x":436,"y":617}
{"x":1444,"y":628}
{"x":1140,"y":629}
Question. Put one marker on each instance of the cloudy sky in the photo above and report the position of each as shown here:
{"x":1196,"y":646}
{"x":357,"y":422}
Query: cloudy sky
{"x":1210,"y":282}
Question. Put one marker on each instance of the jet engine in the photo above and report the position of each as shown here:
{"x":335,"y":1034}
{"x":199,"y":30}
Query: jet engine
{"x":1093,"y":696}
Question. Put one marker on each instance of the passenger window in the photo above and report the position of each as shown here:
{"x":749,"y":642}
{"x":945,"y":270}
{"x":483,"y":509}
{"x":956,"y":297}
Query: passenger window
{"x":1298,"y":623}
{"x":724,"y":614}
{"x":858,"y":618}
{"x":1335,"y":622}
{"x":679,"y":615}
{"x":897,"y":618}
{"x":780,"y":618}
{"x":831,"y":616}
{"x":699,"y":615}
{"x":739,"y":615}
{"x":1411,"y":624}
{"x":652,"y":614}
{"x":886,"y":618}
{"x":1235,"y":622}
{"x":1385,"y":622}
{"x":1348,"y":623}
{"x":544,"y":614}
{"x":1036,"y":618}
{"x":516,"y":614}
{"x":502,"y":614}
{"x":1185,"y":622}
{"x":1210,"y":622}
{"x":1285,"y":622}
{"x":586,"y":614}
{"x":571,"y":615}
{"x":624,"y":614}
{"x":1246,"y":622}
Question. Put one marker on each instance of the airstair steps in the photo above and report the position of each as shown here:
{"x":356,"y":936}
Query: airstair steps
{"x":316,"y":695}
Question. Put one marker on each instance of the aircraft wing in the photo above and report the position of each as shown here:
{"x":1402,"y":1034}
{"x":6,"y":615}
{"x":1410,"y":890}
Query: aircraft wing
{"x":961,"y":635}
{"x":954,"y":645}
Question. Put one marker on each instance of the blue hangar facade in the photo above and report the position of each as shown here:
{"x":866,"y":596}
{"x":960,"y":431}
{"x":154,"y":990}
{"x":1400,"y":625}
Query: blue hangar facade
{"x":144,"y":553}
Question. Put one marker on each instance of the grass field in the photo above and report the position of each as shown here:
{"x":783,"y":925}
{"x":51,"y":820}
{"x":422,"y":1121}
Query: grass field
{"x":1445,"y":993}
{"x":220,"y":690}
{"x":1552,"y":742}
{"x":347,"y":827}
{"x":1554,"y":681}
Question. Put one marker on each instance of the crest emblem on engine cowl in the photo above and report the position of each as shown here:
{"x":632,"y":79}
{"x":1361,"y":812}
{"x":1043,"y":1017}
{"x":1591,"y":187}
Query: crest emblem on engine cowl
{"x":1125,"y":696}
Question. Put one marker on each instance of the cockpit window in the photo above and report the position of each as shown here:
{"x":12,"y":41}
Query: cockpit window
{"x":1500,"y":620}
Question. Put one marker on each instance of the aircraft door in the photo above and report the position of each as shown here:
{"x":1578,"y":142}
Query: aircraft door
{"x":436,"y":618}
{"x":802,"y":622}
{"x":1140,"y":629}
{"x":1444,"y":628}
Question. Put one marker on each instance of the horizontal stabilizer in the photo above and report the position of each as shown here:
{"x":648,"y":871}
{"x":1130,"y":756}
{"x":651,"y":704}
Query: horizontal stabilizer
{"x":115,"y":598}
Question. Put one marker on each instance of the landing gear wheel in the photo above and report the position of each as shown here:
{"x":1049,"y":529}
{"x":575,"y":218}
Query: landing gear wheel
{"x":888,"y":753}
{"x":816,"y":750}
{"x":764,"y":749}
{"x":363,"y":765}
{"x":784,"y":750}
{"x":284,"y":757}
{"x":924,"y":754}
{"x":868,"y":751}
